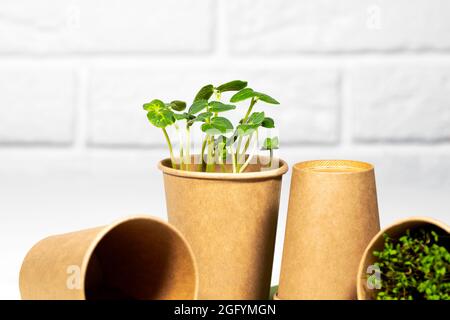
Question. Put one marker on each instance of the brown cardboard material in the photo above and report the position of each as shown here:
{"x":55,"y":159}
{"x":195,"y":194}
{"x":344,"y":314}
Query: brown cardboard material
{"x":332,"y":215}
{"x":395,"y":230}
{"x":230,"y":222}
{"x":138,"y":257}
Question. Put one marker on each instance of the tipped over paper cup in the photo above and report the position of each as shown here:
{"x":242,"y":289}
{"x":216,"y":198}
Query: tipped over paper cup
{"x":139,"y":258}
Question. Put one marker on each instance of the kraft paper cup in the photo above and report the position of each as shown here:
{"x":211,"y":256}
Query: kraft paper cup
{"x":395,"y":230}
{"x":332,"y":215}
{"x":230,"y":222}
{"x":138,"y":257}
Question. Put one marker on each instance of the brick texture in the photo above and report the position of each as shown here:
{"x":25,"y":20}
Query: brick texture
{"x":37,"y":105}
{"x":287,"y":26}
{"x":401,"y":103}
{"x":106,"y":26}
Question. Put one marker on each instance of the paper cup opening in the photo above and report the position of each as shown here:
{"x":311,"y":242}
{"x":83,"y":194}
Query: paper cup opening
{"x":334,"y":166}
{"x":394,"y":231}
{"x":141,"y":259}
{"x":254,"y":171}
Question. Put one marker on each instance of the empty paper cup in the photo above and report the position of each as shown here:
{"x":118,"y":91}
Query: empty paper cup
{"x":139,"y":257}
{"x":332,"y":216}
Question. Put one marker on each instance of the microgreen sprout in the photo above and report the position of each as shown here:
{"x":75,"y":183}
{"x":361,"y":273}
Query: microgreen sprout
{"x":222,"y":140}
{"x":414,"y":266}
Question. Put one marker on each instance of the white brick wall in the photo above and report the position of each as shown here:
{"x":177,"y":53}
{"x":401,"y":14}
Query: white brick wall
{"x":357,"y":79}
{"x":287,"y":26}
{"x":37,"y":105}
{"x":401,"y":102}
{"x":91,"y":26}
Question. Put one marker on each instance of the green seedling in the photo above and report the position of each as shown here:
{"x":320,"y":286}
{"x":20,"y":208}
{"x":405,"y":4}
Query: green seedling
{"x":209,"y":112}
{"x":270,"y":144}
{"x":415,"y":266}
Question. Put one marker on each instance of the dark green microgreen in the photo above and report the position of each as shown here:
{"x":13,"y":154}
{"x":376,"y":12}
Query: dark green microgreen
{"x":245,"y":129}
{"x":220,"y":124}
{"x":183,"y":116}
{"x":203,"y":116}
{"x":414,"y":266}
{"x":266,"y":98}
{"x":242,"y":95}
{"x":234,"y":85}
{"x":268,"y":123}
{"x":198,"y":106}
{"x":215,"y":144}
{"x":248,"y":93}
{"x":177,"y":105}
{"x":204,"y":93}
{"x":256,"y":119}
{"x":216,"y":106}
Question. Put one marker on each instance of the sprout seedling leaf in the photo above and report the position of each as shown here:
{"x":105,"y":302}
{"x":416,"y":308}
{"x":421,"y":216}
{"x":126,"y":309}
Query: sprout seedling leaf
{"x":158,"y":114}
{"x":234,"y":85}
{"x":242,"y":95}
{"x":216,"y":106}
{"x":268,"y":123}
{"x":203,"y":116}
{"x":198,"y":106}
{"x":270,"y":144}
{"x":266,"y":98}
{"x":204,"y":93}
{"x":177,"y":105}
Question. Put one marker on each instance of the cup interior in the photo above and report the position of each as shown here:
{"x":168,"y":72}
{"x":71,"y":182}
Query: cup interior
{"x":141,"y":259}
{"x":334,"y":166}
{"x":395,"y":231}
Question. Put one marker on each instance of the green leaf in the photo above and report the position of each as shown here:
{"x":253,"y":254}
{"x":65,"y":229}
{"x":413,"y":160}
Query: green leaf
{"x":270,"y":144}
{"x":216,"y":106}
{"x":245,"y":129}
{"x":235,"y":85}
{"x":203,"y":116}
{"x":155,"y":103}
{"x":158,"y":114}
{"x":177,"y":105}
{"x":266,"y":98}
{"x":248,"y":93}
{"x":255,"y":119}
{"x":183,"y":116}
{"x":217,"y":125}
{"x":180,"y":116}
{"x":221,"y":145}
{"x":268,"y":123}
{"x":207,"y":127}
{"x":198,"y":106}
{"x":222,"y":124}
{"x":213,"y":129}
{"x":242,"y":95}
{"x":205,"y":93}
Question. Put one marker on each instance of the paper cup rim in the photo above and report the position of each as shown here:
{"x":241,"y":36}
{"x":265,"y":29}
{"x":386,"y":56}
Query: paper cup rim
{"x":358,"y":166}
{"x":419,"y":219}
{"x":108,"y":228}
{"x":224,"y":176}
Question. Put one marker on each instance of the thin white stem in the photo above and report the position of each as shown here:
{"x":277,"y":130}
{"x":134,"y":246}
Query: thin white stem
{"x":233,"y":159}
{"x":250,"y":156}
